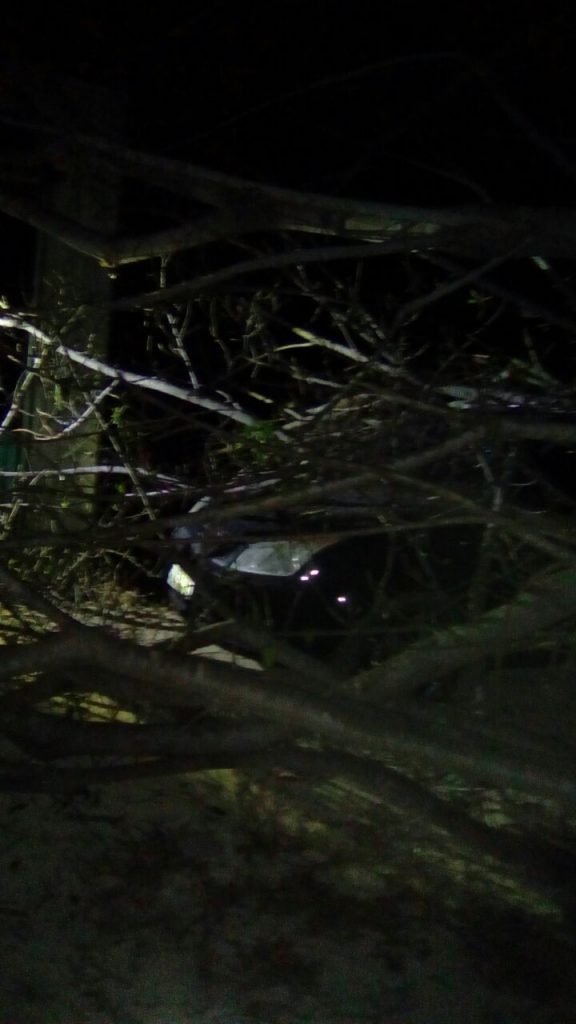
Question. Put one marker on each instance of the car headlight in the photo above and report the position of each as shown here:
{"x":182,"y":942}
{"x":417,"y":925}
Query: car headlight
{"x":180,"y":581}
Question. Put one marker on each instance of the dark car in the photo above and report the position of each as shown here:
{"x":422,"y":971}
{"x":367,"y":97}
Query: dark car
{"x":309,"y":584}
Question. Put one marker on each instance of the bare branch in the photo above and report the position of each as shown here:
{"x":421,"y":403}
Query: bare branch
{"x":126,"y":377}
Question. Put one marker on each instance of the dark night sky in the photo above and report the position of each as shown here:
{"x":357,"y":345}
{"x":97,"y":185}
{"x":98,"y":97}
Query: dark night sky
{"x":370,"y":100}
{"x":239,"y":89}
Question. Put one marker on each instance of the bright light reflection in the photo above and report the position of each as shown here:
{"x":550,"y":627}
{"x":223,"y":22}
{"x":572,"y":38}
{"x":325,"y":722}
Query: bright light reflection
{"x":314,"y":572}
{"x":342,"y":599}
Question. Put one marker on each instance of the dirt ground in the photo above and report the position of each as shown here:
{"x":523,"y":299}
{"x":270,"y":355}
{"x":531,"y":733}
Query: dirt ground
{"x":165,"y":903}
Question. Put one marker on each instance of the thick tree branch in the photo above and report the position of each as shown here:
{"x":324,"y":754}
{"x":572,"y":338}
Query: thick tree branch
{"x":53,"y":737}
{"x":544,"y":603}
{"x":162,"y":678}
{"x":243,"y":207}
{"x":17,"y":592}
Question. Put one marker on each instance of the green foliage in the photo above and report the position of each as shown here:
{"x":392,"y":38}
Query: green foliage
{"x":257,"y":445}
